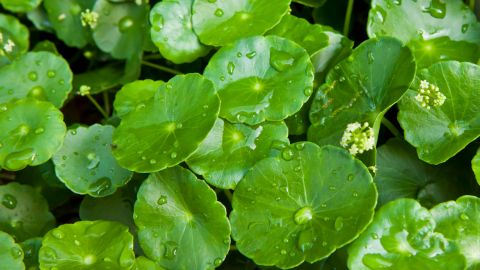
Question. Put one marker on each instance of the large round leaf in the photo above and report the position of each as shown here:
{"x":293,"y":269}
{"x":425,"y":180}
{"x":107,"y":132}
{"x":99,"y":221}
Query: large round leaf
{"x":440,"y":132}
{"x":20,"y":5}
{"x":11,"y":254}
{"x":121,"y":28}
{"x":85,"y":163}
{"x":134,"y":95}
{"x":169,"y":128}
{"x":302,"y":206}
{"x":261,"y":78}
{"x":400,"y":174}
{"x":88,"y":245}
{"x":40,"y":75}
{"x":172,"y":31}
{"x":229,"y":150}
{"x":12,"y":29}
{"x":361,"y":89}
{"x":24,"y":212}
{"x":476,"y":166}
{"x":65,"y":18}
{"x":434,"y":29}
{"x":222,"y":22}
{"x":459,"y":221}
{"x":401,"y":236}
{"x":181,"y":225}
{"x":32,"y":131}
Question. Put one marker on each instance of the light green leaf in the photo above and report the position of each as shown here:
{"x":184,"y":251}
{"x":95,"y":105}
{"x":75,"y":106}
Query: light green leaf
{"x":261,"y":78}
{"x":170,"y":127}
{"x":32,"y":131}
{"x":142,"y":263}
{"x":134,"y":95}
{"x":440,"y":131}
{"x":11,"y":29}
{"x":181,"y":225}
{"x":230,"y":150}
{"x":302,"y":206}
{"x":20,"y":5}
{"x":11,"y":254}
{"x":403,"y":235}
{"x":172,"y":31}
{"x":222,"y":22}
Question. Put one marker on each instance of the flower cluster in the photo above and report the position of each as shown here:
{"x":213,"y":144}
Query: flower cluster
{"x":358,"y":138}
{"x":89,"y":18}
{"x":84,"y":90}
{"x":8,"y":46}
{"x":429,"y":95}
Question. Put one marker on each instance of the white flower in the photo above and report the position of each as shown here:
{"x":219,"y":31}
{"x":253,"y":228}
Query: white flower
{"x":85,"y":90}
{"x":429,"y":95}
{"x":358,"y":138}
{"x":89,"y":18}
{"x":9,"y":46}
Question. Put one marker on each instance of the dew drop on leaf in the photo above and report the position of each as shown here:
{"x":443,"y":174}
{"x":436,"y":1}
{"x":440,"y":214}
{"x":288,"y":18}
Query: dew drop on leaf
{"x":51,"y":73}
{"x":287,"y":154}
{"x":101,"y":186}
{"x":303,"y":215}
{"x":170,"y":250}
{"x":19,"y":160}
{"x":32,"y":76}
{"x":125,"y":24}
{"x":217,"y":262}
{"x":16,"y":252}
{"x":230,"y":68}
{"x":9,"y":201}
{"x":94,"y":161}
{"x":251,"y":54}
{"x":338,"y":223}
{"x":219,"y":12}
{"x":162,"y":200}
{"x":280,"y":60}
{"x":57,"y":233}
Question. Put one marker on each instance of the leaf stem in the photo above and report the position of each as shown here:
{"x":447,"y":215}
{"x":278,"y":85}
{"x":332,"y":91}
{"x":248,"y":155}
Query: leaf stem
{"x":391,"y":127}
{"x":99,"y":108}
{"x":162,"y":68}
{"x":229,"y":194}
{"x":106,"y":102}
{"x":348,"y":17}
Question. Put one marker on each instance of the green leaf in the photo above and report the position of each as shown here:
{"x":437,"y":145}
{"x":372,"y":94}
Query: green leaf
{"x":181,"y":225}
{"x":20,"y":5}
{"x":142,"y":263}
{"x":30,"y":250}
{"x":302,"y":206}
{"x":170,"y":127}
{"x":32,"y":131}
{"x":85,"y":163}
{"x":230,"y":150}
{"x":458,"y":221}
{"x":434,"y":29}
{"x":261,"y":78}
{"x":88,"y":245}
{"x":134,"y":95}
{"x":361,"y":89}
{"x":441,"y":131}
{"x":11,"y":254}
{"x":65,"y":17}
{"x":476,"y":166}
{"x":24,"y":212}
{"x":40,"y":75}
{"x":400,"y":174}
{"x":172,"y":31}
{"x":401,"y":235}
{"x":12,"y":29}
{"x":121,"y":28}
{"x":311,"y":3}
{"x":46,"y":46}
{"x":222,"y":22}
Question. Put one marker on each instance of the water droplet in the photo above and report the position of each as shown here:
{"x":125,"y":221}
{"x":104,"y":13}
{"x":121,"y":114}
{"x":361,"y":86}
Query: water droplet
{"x":9,"y":201}
{"x":303,"y":215}
{"x":125,"y":24}
{"x":173,"y":155}
{"x":33,"y":76}
{"x":19,"y":160}
{"x":283,"y":252}
{"x":305,"y":242}
{"x":57,"y":233}
{"x":350,"y":177}
{"x":280,"y":60}
{"x":287,"y":154}
{"x":153,"y":161}
{"x":48,"y":253}
{"x":219,"y":12}
{"x":341,"y":79}
{"x":51,"y":73}
{"x":465,"y":28}
{"x":338,"y":223}
{"x":157,"y":22}
{"x":93,"y":161}
{"x":39,"y":131}
{"x":170,"y":250}
{"x":222,"y":78}
{"x":308,"y":91}
{"x":239,"y":54}
{"x":464,"y":217}
{"x":375,"y":236}
{"x":323,"y":205}
{"x":16,"y":252}
{"x":227,"y":241}
{"x":332,"y":188}
{"x":100,"y":187}
{"x":162,"y":200}
{"x":37,"y":92}
{"x":76,"y":242}
{"x":251,"y":54}
{"x":230,"y":68}
{"x":217,"y":262}
{"x":437,"y":9}
{"x":355,"y":194}
{"x":324,"y":244}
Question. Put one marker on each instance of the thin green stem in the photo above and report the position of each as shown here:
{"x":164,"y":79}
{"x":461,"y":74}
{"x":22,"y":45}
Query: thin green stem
{"x":106,"y":102}
{"x":228,"y":193}
{"x":162,"y":68}
{"x":391,"y":127}
{"x":152,"y":57}
{"x":348,"y":17}
{"x":99,"y":108}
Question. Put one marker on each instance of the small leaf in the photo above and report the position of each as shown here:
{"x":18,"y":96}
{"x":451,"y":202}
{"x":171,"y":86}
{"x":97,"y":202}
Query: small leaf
{"x":11,"y":254}
{"x":134,"y":95}
{"x":181,"y":225}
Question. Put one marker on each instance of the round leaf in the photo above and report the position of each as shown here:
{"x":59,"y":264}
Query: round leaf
{"x":224,"y":21}
{"x":65,"y":17}
{"x":476,"y":166}
{"x":85,"y":163}
{"x":134,"y":95}
{"x":361,"y":89}
{"x":440,"y":132}
{"x":12,"y":29}
{"x":172,"y":31}
{"x":24,"y":212}
{"x":40,"y":75}
{"x":20,"y":5}
{"x":261,"y":78}
{"x":30,"y":250}
{"x":88,"y":245}
{"x":11,"y":254}
{"x":434,"y":29}
{"x":121,"y":27}
{"x":230,"y":150}
{"x":181,"y":225}
{"x":302,"y":206}
{"x":458,"y":221}
{"x":400,"y":236}
{"x":169,"y":128}
{"x":32,"y":131}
